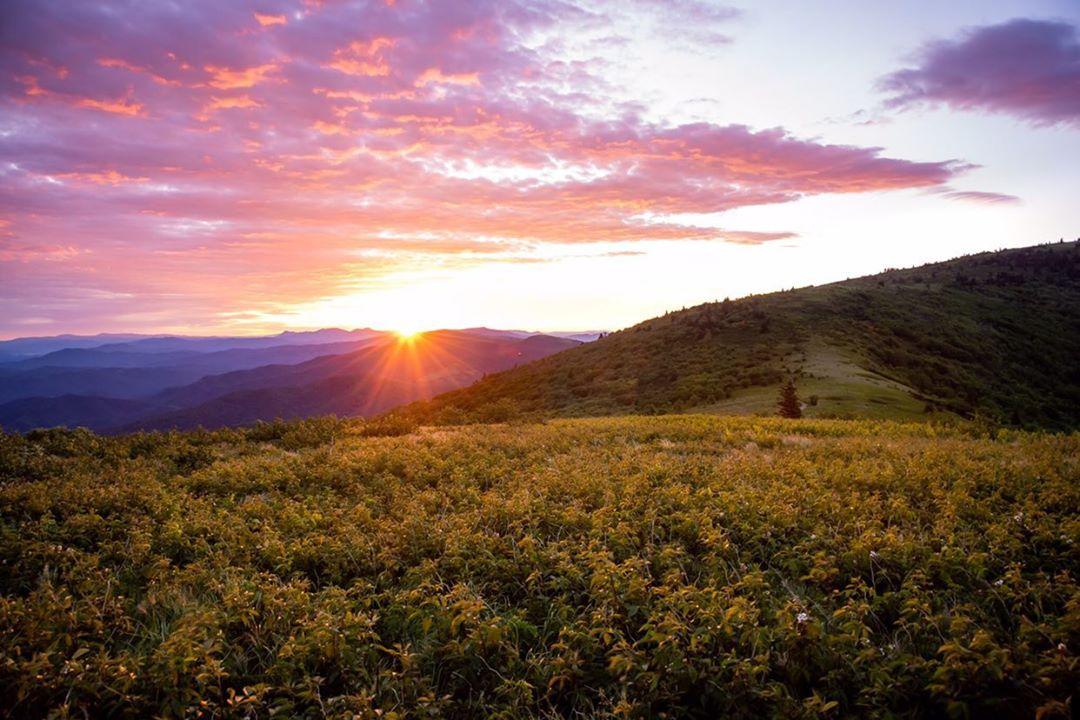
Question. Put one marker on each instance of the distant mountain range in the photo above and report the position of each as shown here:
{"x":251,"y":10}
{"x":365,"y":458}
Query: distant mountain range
{"x":30,"y":347}
{"x":111,"y":383}
{"x":995,"y":335}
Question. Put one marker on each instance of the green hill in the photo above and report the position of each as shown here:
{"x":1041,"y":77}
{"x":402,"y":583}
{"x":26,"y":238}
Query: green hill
{"x":995,"y":334}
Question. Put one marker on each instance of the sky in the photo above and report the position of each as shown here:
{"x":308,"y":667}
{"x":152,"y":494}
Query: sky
{"x":238,"y":168}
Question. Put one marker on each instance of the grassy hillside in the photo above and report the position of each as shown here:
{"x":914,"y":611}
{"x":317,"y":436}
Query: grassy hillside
{"x":995,"y":334}
{"x":678,"y":566}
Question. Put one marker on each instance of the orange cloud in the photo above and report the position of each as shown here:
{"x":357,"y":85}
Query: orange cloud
{"x":363,"y":58}
{"x":268,"y":20}
{"x":32,"y":87}
{"x":123,"y":106}
{"x":361,"y":67}
{"x":118,"y":64}
{"x":435,"y":75}
{"x":118,"y":107}
{"x":238,"y":102}
{"x":228,"y":79}
{"x":327,"y":128}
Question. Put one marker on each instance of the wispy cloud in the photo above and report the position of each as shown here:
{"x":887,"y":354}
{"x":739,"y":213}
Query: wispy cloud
{"x":985,"y":198}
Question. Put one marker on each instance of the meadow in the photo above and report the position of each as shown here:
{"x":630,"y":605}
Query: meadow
{"x":665,"y":566}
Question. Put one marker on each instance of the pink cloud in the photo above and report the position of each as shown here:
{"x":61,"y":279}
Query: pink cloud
{"x":11,"y":251}
{"x":985,"y":198}
{"x":752,"y":237}
{"x":1026,"y":68}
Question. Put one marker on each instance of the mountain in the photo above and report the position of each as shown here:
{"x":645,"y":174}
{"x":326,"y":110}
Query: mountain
{"x":586,"y":336}
{"x":115,"y":382}
{"x":170,"y":343}
{"x":19,"y":348}
{"x":994,"y":334}
{"x":71,"y":411}
{"x":215,"y":355}
{"x":126,"y":374}
{"x":359,"y":377}
{"x":32,"y":347}
{"x":101,"y":357}
{"x":382,"y":376}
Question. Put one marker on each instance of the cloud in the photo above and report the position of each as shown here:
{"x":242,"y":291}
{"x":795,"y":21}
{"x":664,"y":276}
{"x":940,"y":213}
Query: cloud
{"x":122,"y":106}
{"x":12,"y":251}
{"x":363,"y":57}
{"x":985,"y":198}
{"x":227,"y":103}
{"x":205,"y":166}
{"x":437,"y":76}
{"x":1029,"y":69}
{"x":268,"y":20}
{"x":751,"y":237}
{"x":229,"y":79}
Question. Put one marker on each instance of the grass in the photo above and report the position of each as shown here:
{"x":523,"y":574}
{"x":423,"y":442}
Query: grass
{"x":672,"y":566}
{"x":840,"y":388}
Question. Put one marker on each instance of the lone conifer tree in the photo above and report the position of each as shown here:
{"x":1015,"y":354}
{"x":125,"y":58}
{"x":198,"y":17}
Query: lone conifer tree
{"x":789,"y":401}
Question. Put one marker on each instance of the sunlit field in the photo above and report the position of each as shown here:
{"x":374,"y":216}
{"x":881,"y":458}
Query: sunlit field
{"x":673,"y":566}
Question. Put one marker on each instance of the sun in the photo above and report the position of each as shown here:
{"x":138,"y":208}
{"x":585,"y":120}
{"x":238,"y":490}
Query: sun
{"x":407,"y":333}
{"x":408,"y":324}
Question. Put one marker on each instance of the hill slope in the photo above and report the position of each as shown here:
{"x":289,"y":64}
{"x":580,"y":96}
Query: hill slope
{"x":996,"y":334}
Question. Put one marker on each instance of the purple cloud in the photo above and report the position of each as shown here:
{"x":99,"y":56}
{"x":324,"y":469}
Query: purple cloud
{"x":1026,"y":68}
{"x":979,"y":196}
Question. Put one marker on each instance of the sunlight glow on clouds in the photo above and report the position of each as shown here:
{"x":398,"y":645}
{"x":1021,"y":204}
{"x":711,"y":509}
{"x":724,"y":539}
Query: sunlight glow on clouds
{"x":230,"y":164}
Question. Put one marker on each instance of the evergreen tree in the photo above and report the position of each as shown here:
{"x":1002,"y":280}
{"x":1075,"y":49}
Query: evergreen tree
{"x":789,"y":401}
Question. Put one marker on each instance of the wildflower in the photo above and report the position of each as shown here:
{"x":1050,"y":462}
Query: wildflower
{"x":999,"y":582}
{"x":874,"y":555}
{"x":801,"y":618}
